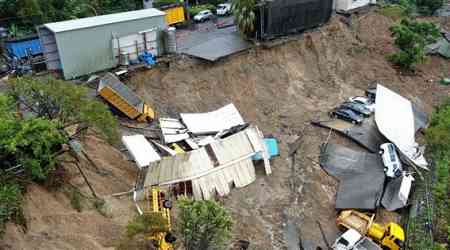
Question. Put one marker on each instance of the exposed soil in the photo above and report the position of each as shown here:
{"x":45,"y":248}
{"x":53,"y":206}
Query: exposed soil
{"x":280,"y":89}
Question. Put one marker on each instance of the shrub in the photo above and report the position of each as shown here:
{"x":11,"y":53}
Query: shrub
{"x":411,"y":37}
{"x":244,"y":13}
{"x":149,"y":223}
{"x":428,"y":7}
{"x":203,"y":224}
{"x":10,"y":203}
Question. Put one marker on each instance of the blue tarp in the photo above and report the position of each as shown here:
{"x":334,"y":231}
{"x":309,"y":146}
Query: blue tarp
{"x":22,"y":48}
{"x":272,"y":147}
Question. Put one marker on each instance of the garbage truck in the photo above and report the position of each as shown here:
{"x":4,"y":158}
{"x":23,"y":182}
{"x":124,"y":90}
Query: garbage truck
{"x":124,"y":99}
{"x":389,"y":236}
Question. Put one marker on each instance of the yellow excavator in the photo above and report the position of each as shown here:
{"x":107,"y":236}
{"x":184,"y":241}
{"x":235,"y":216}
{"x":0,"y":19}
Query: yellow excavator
{"x":158,"y":203}
{"x":388,"y":236}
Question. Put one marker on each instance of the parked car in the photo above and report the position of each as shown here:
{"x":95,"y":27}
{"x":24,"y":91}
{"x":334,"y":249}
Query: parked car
{"x":391,"y":161}
{"x":357,"y":107}
{"x":364,"y":101}
{"x":223,"y":9}
{"x":347,"y":115}
{"x":347,"y":240}
{"x":203,"y":15}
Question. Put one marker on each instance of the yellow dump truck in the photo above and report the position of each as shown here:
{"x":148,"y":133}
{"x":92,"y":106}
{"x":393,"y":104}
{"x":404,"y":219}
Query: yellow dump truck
{"x":122,"y":98}
{"x":160,"y":204}
{"x":175,"y":13}
{"x":389,"y":236}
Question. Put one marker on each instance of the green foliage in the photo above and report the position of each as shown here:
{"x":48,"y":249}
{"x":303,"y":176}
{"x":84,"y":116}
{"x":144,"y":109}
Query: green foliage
{"x":76,"y":200}
{"x":394,"y":11}
{"x":411,"y":37}
{"x":28,"y":13}
{"x":203,"y":224}
{"x":149,"y":224}
{"x":194,"y":10}
{"x":10,"y":203}
{"x":244,"y":13}
{"x":30,"y":142}
{"x":438,"y":133}
{"x":437,"y":136}
{"x":64,"y":103}
{"x":428,"y":7}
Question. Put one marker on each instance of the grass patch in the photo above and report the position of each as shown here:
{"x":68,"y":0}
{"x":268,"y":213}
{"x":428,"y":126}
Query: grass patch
{"x":10,"y":204}
{"x":76,"y":199}
{"x":394,"y":11}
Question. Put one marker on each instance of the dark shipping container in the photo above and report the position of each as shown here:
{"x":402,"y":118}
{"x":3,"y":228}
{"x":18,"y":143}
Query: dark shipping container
{"x":283,"y":17}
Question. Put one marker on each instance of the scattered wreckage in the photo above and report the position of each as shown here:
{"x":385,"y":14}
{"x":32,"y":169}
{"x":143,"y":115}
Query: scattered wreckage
{"x":368,"y":181}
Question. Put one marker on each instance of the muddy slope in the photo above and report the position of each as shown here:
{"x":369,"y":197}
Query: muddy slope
{"x":281,"y":89}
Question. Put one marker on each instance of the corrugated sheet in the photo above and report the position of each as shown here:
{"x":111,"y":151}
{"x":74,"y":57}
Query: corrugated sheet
{"x":212,"y":122}
{"x":88,"y":22}
{"x":24,"y":48}
{"x":172,"y":130}
{"x":233,"y":166}
{"x":141,"y":150}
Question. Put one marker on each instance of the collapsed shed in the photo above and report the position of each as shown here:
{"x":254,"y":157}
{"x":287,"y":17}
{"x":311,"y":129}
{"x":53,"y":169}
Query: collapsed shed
{"x":82,"y":46}
{"x":212,"y":169}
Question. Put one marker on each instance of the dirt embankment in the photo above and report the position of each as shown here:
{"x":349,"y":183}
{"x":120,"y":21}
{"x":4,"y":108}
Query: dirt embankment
{"x":279,"y":89}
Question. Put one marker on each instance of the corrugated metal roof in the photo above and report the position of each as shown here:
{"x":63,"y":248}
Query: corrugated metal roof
{"x":213,"y":122}
{"x":173,"y":130}
{"x":212,"y":168}
{"x":141,"y":150}
{"x":89,"y":22}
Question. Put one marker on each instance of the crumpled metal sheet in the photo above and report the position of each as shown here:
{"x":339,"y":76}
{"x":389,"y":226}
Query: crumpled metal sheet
{"x":361,"y":176}
{"x":366,"y":134}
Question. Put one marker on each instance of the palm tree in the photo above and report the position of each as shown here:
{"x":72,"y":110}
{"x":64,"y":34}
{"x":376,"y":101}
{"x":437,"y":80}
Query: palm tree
{"x":244,"y":13}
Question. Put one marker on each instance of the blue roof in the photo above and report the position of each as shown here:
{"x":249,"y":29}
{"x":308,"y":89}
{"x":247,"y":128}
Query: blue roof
{"x":23,"y":48}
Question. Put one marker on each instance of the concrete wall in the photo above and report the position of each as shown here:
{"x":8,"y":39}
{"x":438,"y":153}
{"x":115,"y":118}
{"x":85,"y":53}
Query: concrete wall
{"x":89,"y":50}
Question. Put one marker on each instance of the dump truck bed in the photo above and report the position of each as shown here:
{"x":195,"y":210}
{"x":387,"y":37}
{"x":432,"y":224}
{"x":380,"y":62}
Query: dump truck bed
{"x":356,"y":220}
{"x":120,"y":96}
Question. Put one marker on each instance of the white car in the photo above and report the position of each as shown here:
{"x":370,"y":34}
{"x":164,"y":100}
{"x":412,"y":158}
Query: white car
{"x":364,"y":101}
{"x":391,"y":161}
{"x":203,"y":16}
{"x":223,"y":9}
{"x":347,"y":240}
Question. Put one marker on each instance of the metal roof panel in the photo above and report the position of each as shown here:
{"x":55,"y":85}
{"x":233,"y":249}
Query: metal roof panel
{"x":94,"y":21}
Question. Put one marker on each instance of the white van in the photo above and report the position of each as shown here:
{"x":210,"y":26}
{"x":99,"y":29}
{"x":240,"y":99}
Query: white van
{"x":391,"y":161}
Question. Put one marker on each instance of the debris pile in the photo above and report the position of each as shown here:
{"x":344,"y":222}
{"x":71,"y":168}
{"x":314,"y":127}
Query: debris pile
{"x":383,"y":177}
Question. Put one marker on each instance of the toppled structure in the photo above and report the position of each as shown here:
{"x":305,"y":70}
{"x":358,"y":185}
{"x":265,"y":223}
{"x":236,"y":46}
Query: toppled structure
{"x":211,"y":169}
{"x":394,"y":117}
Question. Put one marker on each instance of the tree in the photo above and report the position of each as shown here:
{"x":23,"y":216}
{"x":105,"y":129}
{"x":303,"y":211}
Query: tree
{"x":244,"y":13}
{"x":65,"y":103}
{"x":31,"y":143}
{"x":203,"y":224}
{"x":428,"y":7}
{"x":411,"y":37}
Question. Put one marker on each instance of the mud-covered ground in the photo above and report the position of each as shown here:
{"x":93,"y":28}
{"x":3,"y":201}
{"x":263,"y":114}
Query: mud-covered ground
{"x":280,"y":89}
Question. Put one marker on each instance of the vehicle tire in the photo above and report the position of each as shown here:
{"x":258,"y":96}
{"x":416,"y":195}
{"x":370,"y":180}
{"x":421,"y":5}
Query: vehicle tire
{"x":385,"y":169}
{"x":332,"y":115}
{"x":381,"y":152}
{"x":170,"y":238}
{"x":353,"y":122}
{"x":167,"y":204}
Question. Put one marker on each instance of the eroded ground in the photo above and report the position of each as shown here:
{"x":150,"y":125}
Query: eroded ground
{"x":280,"y":89}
